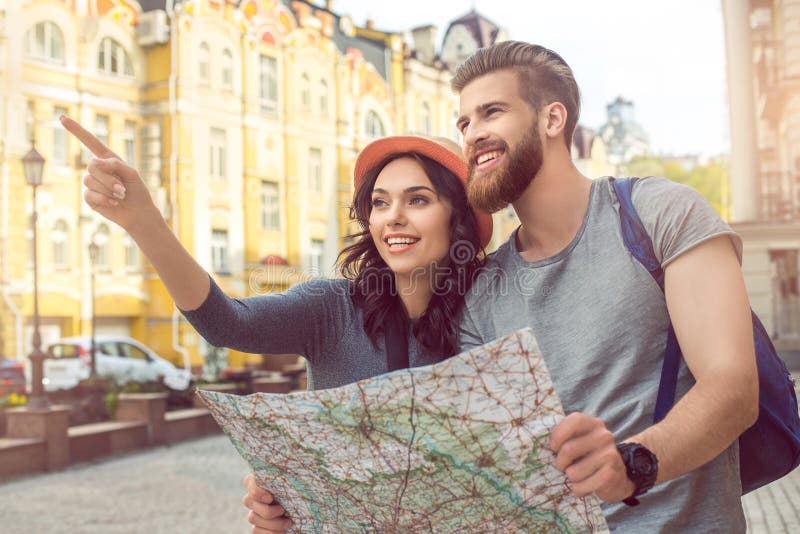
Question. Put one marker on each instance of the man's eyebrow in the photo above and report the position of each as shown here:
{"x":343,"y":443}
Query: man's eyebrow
{"x":483,"y":108}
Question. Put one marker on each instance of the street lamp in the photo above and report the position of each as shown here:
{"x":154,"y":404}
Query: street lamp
{"x":94,"y":250}
{"x":33,"y":165}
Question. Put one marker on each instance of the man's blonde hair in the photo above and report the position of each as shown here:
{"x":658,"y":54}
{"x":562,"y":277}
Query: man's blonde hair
{"x":544,"y":76}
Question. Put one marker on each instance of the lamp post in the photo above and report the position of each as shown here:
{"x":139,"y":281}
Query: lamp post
{"x":33,"y":165}
{"x":94,"y":249}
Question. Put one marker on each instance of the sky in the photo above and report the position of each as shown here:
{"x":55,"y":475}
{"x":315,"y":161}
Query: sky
{"x":667,"y":56}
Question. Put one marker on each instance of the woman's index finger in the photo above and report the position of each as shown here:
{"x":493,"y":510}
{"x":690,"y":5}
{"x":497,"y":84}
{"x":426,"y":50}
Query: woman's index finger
{"x":87,"y":138}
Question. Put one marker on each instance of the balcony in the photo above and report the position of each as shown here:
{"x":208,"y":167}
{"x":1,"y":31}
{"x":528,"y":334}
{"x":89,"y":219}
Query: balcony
{"x":780,"y":196}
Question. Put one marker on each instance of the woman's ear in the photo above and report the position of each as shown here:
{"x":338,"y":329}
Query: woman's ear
{"x":555,"y":115}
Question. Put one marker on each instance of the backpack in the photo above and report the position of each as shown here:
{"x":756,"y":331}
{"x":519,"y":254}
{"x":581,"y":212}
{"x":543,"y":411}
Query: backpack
{"x":770,"y":448}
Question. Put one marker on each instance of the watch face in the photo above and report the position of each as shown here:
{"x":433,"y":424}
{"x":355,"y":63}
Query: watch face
{"x":641,"y":462}
{"x":641,"y":465}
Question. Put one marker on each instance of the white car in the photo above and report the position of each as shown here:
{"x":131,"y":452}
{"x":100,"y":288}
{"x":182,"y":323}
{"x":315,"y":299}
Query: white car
{"x":121,"y":359}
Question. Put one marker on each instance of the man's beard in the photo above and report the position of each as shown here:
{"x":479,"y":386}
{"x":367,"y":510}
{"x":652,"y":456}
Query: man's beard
{"x":496,"y":189}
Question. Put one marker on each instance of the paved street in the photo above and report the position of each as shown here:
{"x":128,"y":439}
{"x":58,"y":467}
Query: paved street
{"x":775,"y":508}
{"x":195,"y":487}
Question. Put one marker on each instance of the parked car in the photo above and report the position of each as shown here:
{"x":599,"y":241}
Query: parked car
{"x":119,"y":358}
{"x":12,"y":377}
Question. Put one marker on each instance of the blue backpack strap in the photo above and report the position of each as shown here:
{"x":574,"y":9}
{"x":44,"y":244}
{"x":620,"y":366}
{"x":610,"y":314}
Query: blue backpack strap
{"x":638,"y":242}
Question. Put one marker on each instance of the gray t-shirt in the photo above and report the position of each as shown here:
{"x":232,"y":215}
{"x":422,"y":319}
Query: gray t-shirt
{"x":601,"y":323}
{"x":315,"y":319}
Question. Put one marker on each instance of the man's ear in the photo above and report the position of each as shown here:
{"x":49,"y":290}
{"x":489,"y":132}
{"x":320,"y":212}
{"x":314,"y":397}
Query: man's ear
{"x":555,"y":115}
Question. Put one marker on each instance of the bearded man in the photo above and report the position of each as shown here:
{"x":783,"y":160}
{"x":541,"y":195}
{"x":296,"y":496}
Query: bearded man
{"x":599,"y":318}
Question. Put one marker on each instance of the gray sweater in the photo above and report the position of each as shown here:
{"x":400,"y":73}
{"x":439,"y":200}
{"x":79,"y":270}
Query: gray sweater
{"x":315,"y":319}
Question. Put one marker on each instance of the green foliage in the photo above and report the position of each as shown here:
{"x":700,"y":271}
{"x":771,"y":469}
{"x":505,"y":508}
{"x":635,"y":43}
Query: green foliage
{"x":112,"y":392}
{"x":12,"y":400}
{"x":709,"y":179}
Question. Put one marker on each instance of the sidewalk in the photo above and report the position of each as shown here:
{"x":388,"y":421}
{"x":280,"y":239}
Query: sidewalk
{"x":775,"y":508}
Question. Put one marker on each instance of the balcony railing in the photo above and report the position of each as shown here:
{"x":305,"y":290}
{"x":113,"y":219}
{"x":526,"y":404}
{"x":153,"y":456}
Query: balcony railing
{"x":780,"y":196}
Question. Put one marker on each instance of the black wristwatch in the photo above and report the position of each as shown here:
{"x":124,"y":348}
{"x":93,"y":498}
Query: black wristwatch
{"x":642,"y":467}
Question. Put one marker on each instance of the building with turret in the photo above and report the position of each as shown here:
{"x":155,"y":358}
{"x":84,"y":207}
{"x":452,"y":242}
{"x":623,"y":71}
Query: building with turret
{"x":624,"y":137}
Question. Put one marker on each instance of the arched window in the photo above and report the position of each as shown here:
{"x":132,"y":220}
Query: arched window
{"x":227,"y":70}
{"x":203,"y":63}
{"x":373,"y":126}
{"x":305,"y":92}
{"x":425,"y":119}
{"x":45,"y":41}
{"x":323,"y":98}
{"x":113,"y":59}
{"x":60,"y":239}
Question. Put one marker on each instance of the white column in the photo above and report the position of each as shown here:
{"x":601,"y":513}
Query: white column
{"x":744,"y":165}
{"x":790,"y":17}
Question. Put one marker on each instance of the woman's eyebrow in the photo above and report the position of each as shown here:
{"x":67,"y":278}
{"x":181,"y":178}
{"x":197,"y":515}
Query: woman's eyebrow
{"x":412,"y":189}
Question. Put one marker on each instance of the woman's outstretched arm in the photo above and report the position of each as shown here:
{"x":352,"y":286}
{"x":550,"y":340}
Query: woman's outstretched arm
{"x":117,"y":192}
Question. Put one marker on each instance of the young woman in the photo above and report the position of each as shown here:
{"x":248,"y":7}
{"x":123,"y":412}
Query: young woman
{"x":406,"y":271}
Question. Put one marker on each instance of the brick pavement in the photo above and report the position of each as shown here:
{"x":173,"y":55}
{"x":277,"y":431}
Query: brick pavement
{"x":775,"y":508}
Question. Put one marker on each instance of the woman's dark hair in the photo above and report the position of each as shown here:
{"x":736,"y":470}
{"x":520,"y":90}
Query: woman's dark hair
{"x":373,"y":284}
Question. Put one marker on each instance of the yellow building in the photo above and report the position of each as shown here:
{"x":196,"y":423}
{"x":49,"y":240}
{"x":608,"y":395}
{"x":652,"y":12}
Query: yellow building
{"x":243,"y":117}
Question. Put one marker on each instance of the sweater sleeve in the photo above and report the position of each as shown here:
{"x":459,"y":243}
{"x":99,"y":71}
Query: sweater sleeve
{"x":307,"y":319}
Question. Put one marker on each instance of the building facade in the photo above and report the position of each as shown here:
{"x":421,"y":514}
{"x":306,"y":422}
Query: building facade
{"x":763,"y":53}
{"x":244,"y":118}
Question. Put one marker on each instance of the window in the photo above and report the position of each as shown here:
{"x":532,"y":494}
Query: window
{"x":131,"y":254}
{"x":203,"y":63}
{"x":315,"y":169}
{"x":113,"y":59}
{"x":129,"y":135}
{"x":315,"y":257}
{"x":305,"y":92}
{"x":108,"y":347}
{"x":101,"y":239}
{"x":270,"y":206}
{"x":101,"y":128}
{"x":217,"y":152}
{"x":59,"y":137}
{"x":373,"y":125}
{"x":132,"y":351}
{"x":786,"y":293}
{"x":60,"y":244}
{"x":455,"y":133}
{"x":268,"y":84}
{"x":425,"y":119}
{"x":227,"y":70}
{"x":323,"y":98}
{"x":45,"y":41}
{"x":30,"y":121}
{"x":219,"y":251}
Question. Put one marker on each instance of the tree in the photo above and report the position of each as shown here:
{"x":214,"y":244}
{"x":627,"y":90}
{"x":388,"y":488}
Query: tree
{"x":709,"y":179}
